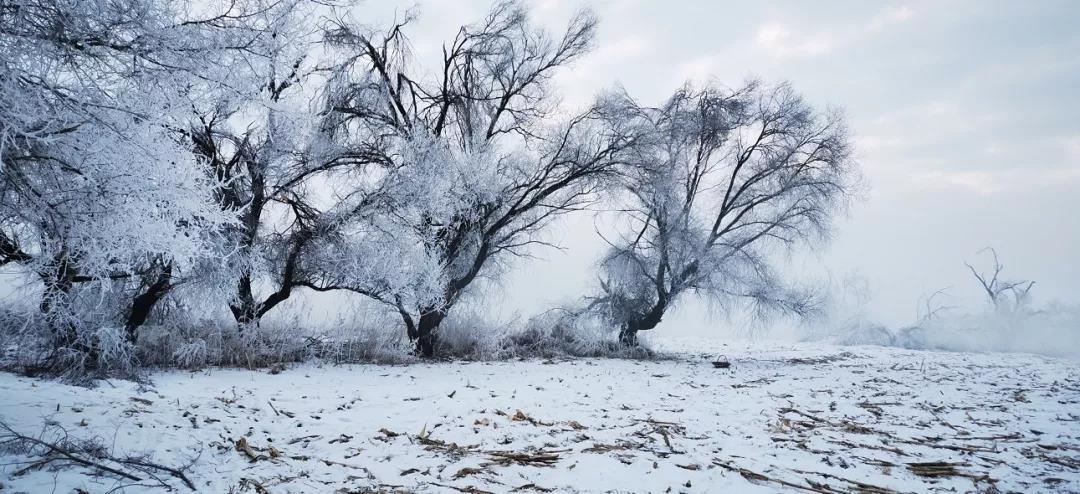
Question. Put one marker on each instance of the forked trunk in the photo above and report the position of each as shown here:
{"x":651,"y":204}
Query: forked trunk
{"x":629,"y":330}
{"x":427,"y":331}
{"x":245,"y":310}
{"x":145,"y":302}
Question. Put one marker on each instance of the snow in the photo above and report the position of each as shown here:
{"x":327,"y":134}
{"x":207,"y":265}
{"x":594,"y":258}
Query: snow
{"x":790,"y":413}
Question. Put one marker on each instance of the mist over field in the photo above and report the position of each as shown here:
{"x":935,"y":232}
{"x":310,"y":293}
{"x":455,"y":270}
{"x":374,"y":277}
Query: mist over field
{"x":539,"y":246}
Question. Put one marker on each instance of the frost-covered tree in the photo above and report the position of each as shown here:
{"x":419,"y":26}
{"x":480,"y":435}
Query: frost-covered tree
{"x":999,"y":290}
{"x":98,"y":189}
{"x":475,"y":163}
{"x":264,"y":143}
{"x":718,"y":180}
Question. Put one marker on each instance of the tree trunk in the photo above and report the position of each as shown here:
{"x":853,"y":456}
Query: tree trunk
{"x":410,"y":325}
{"x":248,"y":312}
{"x":145,"y":302}
{"x":56,"y":307}
{"x":427,"y":331}
{"x":628,"y":332}
{"x":245,"y":310}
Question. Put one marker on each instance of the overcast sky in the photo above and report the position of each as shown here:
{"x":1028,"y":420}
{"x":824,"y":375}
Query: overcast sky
{"x":964,"y":113}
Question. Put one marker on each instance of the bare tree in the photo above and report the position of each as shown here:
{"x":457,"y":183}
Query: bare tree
{"x":97,"y":190}
{"x":997,"y":289}
{"x":265,"y":143}
{"x":257,"y":179}
{"x":931,"y":307}
{"x":718,"y":179}
{"x":478,"y":165}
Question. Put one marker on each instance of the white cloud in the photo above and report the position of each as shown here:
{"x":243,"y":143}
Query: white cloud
{"x":579,"y":83}
{"x":890,"y":16}
{"x":698,"y":69}
{"x":623,"y":48}
{"x":989,"y":182}
{"x":875,"y":143}
{"x":981,"y":182}
{"x":779,"y":41}
{"x":1071,"y":146}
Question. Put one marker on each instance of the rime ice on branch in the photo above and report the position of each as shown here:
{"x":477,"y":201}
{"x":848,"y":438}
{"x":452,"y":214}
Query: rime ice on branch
{"x":718,"y":179}
{"x":477,"y":162}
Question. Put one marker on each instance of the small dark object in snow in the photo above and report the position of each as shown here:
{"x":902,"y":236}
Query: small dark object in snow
{"x":721,"y":364}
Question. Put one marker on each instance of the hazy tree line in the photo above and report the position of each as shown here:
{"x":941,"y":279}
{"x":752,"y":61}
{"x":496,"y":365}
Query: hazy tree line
{"x":164,"y":154}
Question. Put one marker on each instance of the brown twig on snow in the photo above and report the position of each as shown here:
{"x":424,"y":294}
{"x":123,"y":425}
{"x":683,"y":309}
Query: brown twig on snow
{"x":521,"y":416}
{"x":944,"y":469}
{"x":243,"y":447}
{"x":432,"y":444}
{"x":538,"y":458}
{"x":861,"y":487}
{"x":753,"y":476}
{"x":468,"y":489}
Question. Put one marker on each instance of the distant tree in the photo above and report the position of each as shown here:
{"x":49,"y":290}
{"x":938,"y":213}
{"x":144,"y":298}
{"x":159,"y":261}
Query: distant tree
{"x":1001,"y":293}
{"x":931,"y":307}
{"x":718,"y":179}
{"x":478,"y":162}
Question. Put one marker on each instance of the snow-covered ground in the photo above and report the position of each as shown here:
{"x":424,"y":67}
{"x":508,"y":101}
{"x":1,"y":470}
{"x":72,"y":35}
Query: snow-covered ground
{"x":782,"y":417}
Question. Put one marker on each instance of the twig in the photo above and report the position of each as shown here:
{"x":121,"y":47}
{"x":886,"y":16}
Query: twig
{"x":754,"y":476}
{"x":175,"y":472}
{"x":66,"y":455}
{"x":60,"y":451}
{"x":469,"y":490}
{"x":863,"y":487}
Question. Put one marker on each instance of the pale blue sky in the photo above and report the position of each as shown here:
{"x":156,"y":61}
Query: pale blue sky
{"x":965,"y":116}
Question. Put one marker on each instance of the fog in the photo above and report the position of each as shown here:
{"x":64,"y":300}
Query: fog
{"x":539,"y":245}
{"x":957,"y":112}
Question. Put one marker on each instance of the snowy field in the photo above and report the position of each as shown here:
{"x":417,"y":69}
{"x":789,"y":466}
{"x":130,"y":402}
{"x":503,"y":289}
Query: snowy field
{"x":782,"y":418}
